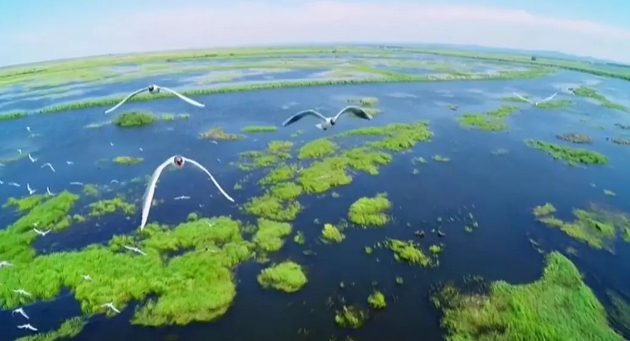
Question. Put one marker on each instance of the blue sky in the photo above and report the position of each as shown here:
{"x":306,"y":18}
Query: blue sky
{"x":40,"y":30}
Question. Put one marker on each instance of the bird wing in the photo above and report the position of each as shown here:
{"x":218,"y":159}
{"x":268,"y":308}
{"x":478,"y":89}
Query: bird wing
{"x":189,"y":100}
{"x":211,"y":178}
{"x":523,"y":98}
{"x":126,"y":99}
{"x":303,"y":114}
{"x":356,"y":111}
{"x":148,"y":195}
{"x":547,"y":99}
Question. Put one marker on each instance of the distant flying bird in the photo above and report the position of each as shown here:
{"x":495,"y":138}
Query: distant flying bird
{"x":215,"y":142}
{"x":30,"y":190}
{"x":177,"y":161}
{"x":536,"y":103}
{"x":69,"y":163}
{"x":14,"y":184}
{"x":110,"y":306}
{"x":135,"y":249}
{"x":114,"y":181}
{"x":111,"y":143}
{"x":76,"y":183}
{"x":28,"y":129}
{"x":31,"y":158}
{"x":22,"y":292}
{"x":48,"y":192}
{"x":27,"y":326}
{"x":183,"y":197}
{"x":140,"y":149}
{"x":21,"y":312}
{"x":49,"y":166}
{"x":87,"y":277}
{"x":1,"y":182}
{"x":155,"y":89}
{"x":329,"y":122}
{"x":4,"y":263}
{"x":19,"y":151}
{"x":42,"y":233}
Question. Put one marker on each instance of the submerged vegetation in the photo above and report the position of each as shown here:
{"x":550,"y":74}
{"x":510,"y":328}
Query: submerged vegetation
{"x":127,"y":160}
{"x":620,"y":311}
{"x":575,"y":138}
{"x":370,"y":211}
{"x":569,"y":155}
{"x":559,"y":306}
{"x":220,"y":134}
{"x":134,"y":119}
{"x":287,"y":276}
{"x":276,"y":151}
{"x":103,"y":207}
{"x":259,"y":129}
{"x":597,"y":227}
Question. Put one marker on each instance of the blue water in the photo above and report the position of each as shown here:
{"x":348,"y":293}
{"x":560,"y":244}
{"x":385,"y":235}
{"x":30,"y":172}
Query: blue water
{"x":500,"y":190}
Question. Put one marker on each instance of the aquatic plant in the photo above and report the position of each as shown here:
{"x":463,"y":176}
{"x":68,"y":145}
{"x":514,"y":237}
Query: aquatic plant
{"x":569,"y":155}
{"x":320,"y":176}
{"x":331,"y":234}
{"x":559,"y":306}
{"x":287,"y":276}
{"x":351,"y":317}
{"x":622,"y":126}
{"x":452,"y":107}
{"x":274,"y":208}
{"x":167,"y":117}
{"x":90,"y":190}
{"x":440,"y":158}
{"x":13,"y":115}
{"x":276,"y":151}
{"x":107,"y":206}
{"x":377,"y":300}
{"x":370,"y":211}
{"x":78,"y":218}
{"x":134,"y":119}
{"x":270,"y":234}
{"x":127,"y":160}
{"x":192,"y":216}
{"x":97,"y":125}
{"x":482,"y":121}
{"x":364,"y":101}
{"x":299,"y":238}
{"x":503,"y":111}
{"x":286,"y":191}
{"x":575,"y":138}
{"x":544,"y":210}
{"x":400,"y":280}
{"x":596,"y":227}
{"x":183,"y":116}
{"x":515,"y":99}
{"x":24,"y":204}
{"x":555,"y":104}
{"x":259,"y":129}
{"x":368,"y":250}
{"x":435,"y":249}
{"x":220,"y":134}
{"x":621,"y":141}
{"x":279,"y":174}
{"x":610,"y":193}
{"x":317,"y":149}
{"x":587,"y":92}
{"x":408,"y":251}
{"x":67,"y":330}
{"x":620,"y":311}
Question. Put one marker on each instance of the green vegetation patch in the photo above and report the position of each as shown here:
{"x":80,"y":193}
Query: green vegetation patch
{"x":24,"y":204}
{"x":370,"y":211}
{"x":134,"y":119}
{"x":167,"y":117}
{"x":270,"y":234}
{"x":377,"y":300}
{"x":364,"y":101}
{"x":331,"y":234}
{"x":619,"y":311}
{"x":276,"y":151}
{"x":220,"y":134}
{"x":409,"y":252}
{"x":13,"y":115}
{"x":287,"y":276}
{"x":396,"y":136}
{"x":127,"y":160}
{"x":103,"y":207}
{"x":259,"y":129}
{"x":351,"y":317}
{"x":575,"y":138}
{"x":559,"y":306}
{"x":273,"y":208}
{"x":286,"y":191}
{"x":317,"y":149}
{"x":279,"y":174}
{"x":90,"y":190}
{"x":621,"y":141}
{"x":569,"y":155}
{"x":554,"y":104}
{"x":493,"y":120}
{"x":68,"y":329}
{"x":587,"y":92}
{"x":597,"y":227}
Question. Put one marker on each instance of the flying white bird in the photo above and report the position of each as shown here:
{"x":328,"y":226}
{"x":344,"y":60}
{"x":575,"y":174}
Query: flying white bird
{"x":31,"y":158}
{"x":30,"y":190}
{"x":4,"y":263}
{"x":155,"y":89}
{"x":48,"y":192}
{"x":87,"y":277}
{"x":1,"y":182}
{"x":536,"y":103}
{"x":140,"y":149}
{"x":22,"y":292}
{"x":42,"y":233}
{"x":114,"y":181}
{"x":19,"y":151}
{"x":135,"y":249}
{"x":49,"y":166}
{"x":69,"y":163}
{"x":27,"y":326}
{"x":215,"y":142}
{"x":111,"y":143}
{"x":178,"y":161}
{"x":21,"y":312}
{"x":14,"y":184}
{"x":28,"y":129}
{"x":76,"y":183}
{"x":183,"y":197}
{"x":329,"y":122}
{"x":110,"y":306}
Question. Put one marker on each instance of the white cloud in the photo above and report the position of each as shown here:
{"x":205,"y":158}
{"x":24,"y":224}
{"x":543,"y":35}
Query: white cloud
{"x":316,"y":22}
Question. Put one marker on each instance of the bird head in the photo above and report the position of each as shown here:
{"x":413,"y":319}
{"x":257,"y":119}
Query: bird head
{"x":178,"y":161}
{"x":151,"y":87}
